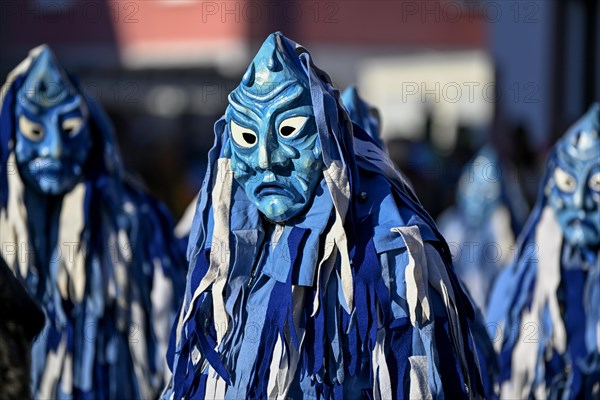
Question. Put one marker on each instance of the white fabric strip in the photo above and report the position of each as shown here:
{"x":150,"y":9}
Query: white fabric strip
{"x":416,"y":275}
{"x":161,"y":298}
{"x":382,"y":382}
{"x":439,"y":279}
{"x":288,"y":371}
{"x":66,"y":380}
{"x":72,"y":275}
{"x":53,"y":370}
{"x":419,"y":382}
{"x":16,"y":249}
{"x":138,"y":346}
{"x":325,"y":267}
{"x":525,"y":354}
{"x":211,"y":384}
{"x":276,"y":363}
{"x":339,"y":188}
{"x":219,"y":257}
{"x":221,"y":202}
{"x":426,"y":268}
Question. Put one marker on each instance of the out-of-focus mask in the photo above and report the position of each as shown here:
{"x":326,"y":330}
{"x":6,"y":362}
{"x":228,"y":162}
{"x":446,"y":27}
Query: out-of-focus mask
{"x":52,"y":135}
{"x":275,"y":149}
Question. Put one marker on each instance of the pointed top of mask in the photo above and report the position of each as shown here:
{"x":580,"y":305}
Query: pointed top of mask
{"x":47,"y":83}
{"x":582,"y":140}
{"x":362,"y":113}
{"x":274,"y":67}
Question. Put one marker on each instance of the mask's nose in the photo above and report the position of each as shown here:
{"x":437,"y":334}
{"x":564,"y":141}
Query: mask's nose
{"x":53,"y":145}
{"x":272,"y":154}
{"x":579,"y":195}
{"x":263,"y":154}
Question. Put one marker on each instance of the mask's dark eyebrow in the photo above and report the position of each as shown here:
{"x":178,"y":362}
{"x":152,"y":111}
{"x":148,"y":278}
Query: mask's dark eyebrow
{"x":75,"y":103}
{"x":285,"y":94}
{"x":233,"y":102}
{"x":569,"y":163}
{"x":288,"y":96}
{"x":31,"y":111}
{"x":265,"y":92}
{"x":234,"y":114}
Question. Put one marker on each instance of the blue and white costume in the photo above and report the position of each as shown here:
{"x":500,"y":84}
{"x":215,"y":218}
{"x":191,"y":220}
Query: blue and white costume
{"x":97,"y":254}
{"x":347,"y":291}
{"x":546,"y":305}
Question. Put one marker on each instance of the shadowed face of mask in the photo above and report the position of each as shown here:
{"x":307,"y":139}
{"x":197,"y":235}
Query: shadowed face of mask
{"x":52,"y":135}
{"x":275,"y":149}
{"x":574,"y":190}
{"x":575,"y":197}
{"x":479,"y":190}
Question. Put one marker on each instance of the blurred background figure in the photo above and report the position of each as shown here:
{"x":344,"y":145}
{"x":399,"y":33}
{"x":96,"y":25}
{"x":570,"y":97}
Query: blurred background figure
{"x":184,"y":225}
{"x":546,"y":305}
{"x":363,"y":114}
{"x":442,"y":73}
{"x":96,"y":252}
{"x":21,"y":319}
{"x":479,"y":228}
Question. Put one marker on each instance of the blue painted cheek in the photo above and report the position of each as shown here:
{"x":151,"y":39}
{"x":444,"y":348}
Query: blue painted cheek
{"x":241,"y":167}
{"x":309,"y":174}
{"x":25,"y":152}
{"x":307,"y":163}
{"x":591,"y":233}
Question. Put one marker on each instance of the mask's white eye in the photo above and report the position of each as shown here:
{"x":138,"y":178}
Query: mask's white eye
{"x":594,"y":182}
{"x":564,"y":181}
{"x":31,"y":130}
{"x":72,"y":126}
{"x":291,"y":126}
{"x":244,"y":137}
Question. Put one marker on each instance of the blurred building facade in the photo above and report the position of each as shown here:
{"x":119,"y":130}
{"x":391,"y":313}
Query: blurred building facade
{"x":163,"y":69}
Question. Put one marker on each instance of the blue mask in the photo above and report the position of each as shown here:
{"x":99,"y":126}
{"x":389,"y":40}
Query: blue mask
{"x":479,"y":191}
{"x":574,"y":189}
{"x":273,"y":142}
{"x":52,"y":137}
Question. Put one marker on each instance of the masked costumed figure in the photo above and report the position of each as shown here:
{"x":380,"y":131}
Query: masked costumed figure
{"x":97,"y":254}
{"x":314,"y":273}
{"x":546,"y":306}
{"x":479,"y":228}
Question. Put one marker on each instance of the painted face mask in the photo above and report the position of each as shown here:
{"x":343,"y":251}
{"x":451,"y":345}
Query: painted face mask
{"x":479,"y":188}
{"x":574,"y":189}
{"x":52,"y":135}
{"x":275,"y":150}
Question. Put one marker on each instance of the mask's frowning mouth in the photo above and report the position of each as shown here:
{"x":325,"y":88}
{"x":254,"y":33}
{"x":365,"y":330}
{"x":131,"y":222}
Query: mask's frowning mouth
{"x":45,"y":164}
{"x":273,"y":189}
